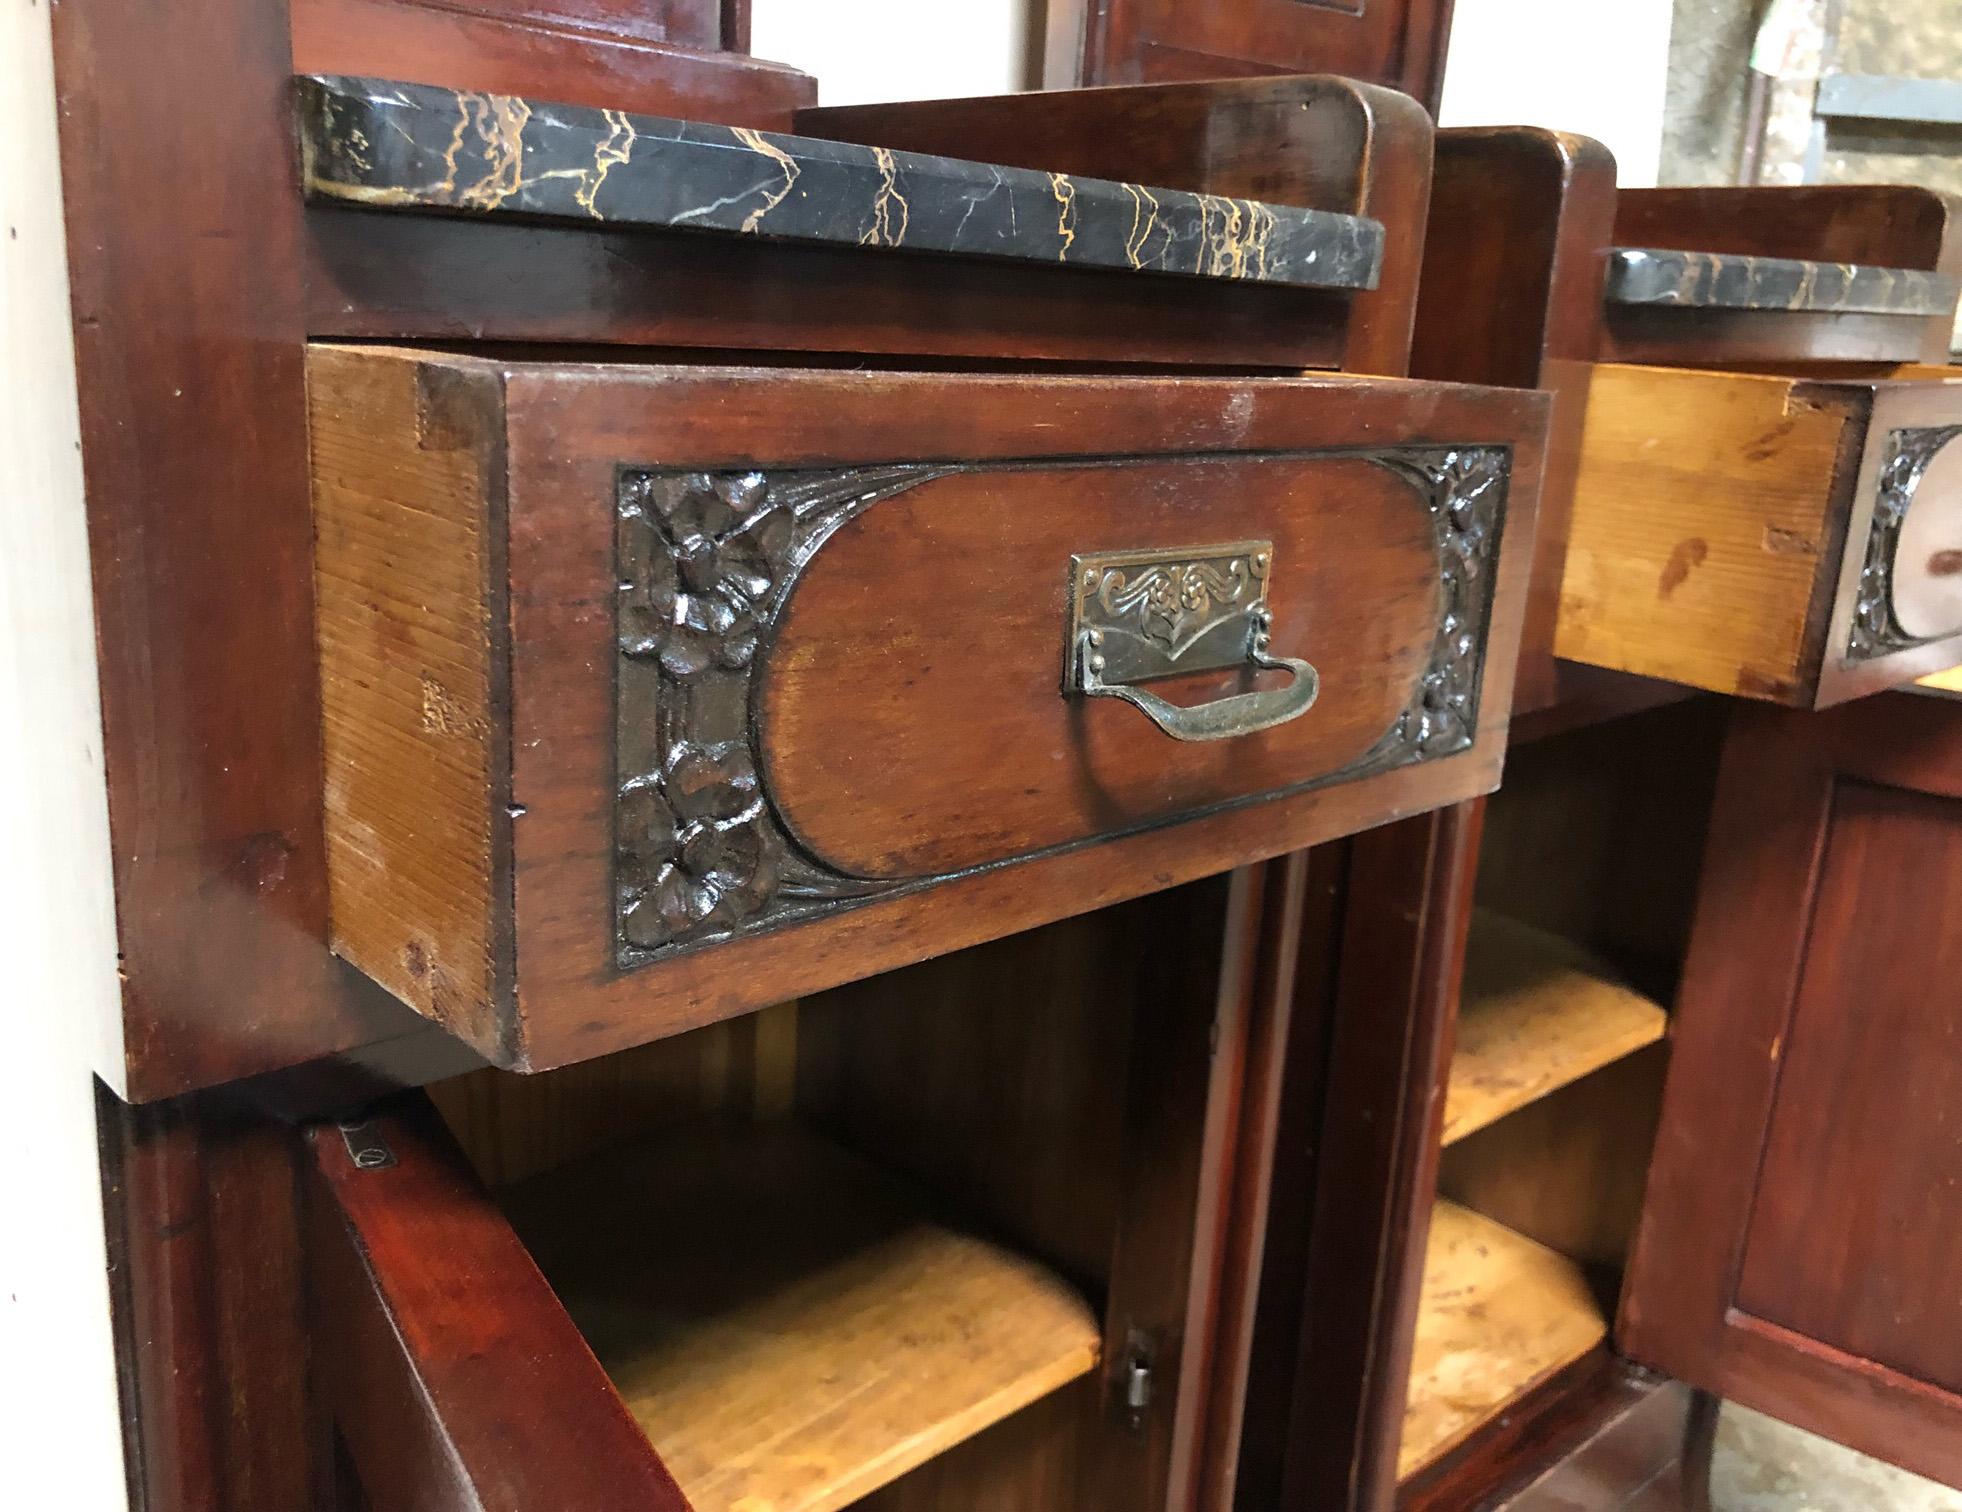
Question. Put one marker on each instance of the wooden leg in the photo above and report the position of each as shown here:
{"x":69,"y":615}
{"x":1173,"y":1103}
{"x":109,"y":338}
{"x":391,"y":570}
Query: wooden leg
{"x":1699,"y":1449}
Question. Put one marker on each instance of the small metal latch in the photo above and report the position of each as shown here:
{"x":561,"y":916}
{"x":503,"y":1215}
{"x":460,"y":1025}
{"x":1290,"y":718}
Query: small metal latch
{"x":1135,"y":1382}
{"x":365,"y":1147}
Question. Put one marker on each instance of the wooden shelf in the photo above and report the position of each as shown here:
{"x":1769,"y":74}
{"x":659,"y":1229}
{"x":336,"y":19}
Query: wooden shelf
{"x":785,"y":1321}
{"x":1496,"y":1318}
{"x":1536,"y":1013}
{"x":1499,"y":1314}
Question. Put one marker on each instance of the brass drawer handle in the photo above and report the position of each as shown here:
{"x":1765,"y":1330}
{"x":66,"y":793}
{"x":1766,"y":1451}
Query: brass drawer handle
{"x":1137,"y":615}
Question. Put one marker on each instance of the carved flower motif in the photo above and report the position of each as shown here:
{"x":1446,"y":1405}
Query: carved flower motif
{"x":1467,"y":486}
{"x":1438,"y":722}
{"x":694,"y":853}
{"x":1468,"y":479}
{"x":702,"y":554}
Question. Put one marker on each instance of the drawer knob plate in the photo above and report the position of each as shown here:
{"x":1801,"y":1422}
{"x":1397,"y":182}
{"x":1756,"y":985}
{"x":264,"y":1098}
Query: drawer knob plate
{"x":1139,"y":615}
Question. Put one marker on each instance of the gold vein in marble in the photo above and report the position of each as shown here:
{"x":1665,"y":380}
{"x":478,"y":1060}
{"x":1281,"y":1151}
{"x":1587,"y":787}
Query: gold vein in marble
{"x":1222,"y":250}
{"x":1142,"y":223}
{"x":364,"y":194}
{"x":500,"y":125}
{"x":884,"y":230}
{"x":1260,"y":232}
{"x":1065,"y":192}
{"x":447,"y":186}
{"x":791,"y":172}
{"x":615,"y":149}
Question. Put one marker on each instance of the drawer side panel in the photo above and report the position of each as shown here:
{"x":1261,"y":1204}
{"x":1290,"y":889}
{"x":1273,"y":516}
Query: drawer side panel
{"x":1705,"y":533}
{"x":404,"y":560}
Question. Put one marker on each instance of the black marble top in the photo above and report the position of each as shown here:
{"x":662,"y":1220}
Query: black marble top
{"x":410,"y":146}
{"x":1729,"y":281}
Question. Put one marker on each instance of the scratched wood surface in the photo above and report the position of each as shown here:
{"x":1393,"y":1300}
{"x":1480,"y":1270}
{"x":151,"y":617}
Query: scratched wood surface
{"x":1499,"y":1314}
{"x":404,"y":562}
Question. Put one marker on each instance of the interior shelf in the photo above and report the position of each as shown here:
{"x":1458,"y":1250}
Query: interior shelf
{"x":1536,"y":1013}
{"x":790,"y":1325}
{"x":1499,"y":1314}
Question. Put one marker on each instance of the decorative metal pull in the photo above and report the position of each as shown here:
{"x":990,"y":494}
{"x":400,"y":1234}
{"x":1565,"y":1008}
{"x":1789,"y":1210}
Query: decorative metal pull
{"x":1138,"y":615}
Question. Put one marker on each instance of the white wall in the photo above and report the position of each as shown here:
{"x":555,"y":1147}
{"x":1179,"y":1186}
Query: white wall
{"x":862,"y":51}
{"x":1575,"y":65}
{"x":60,"y":1445}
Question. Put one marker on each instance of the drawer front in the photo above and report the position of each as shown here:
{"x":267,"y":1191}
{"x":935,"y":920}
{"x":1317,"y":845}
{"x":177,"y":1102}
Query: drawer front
{"x":1766,"y":536}
{"x":906,"y":706}
{"x":794,"y":665}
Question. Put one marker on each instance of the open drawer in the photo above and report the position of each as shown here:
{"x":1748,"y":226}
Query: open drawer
{"x":658,"y":694}
{"x":915,"y":1243}
{"x":1783,"y":538}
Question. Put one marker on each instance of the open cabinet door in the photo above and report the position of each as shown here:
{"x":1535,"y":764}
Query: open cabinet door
{"x":1800,"y":1242}
{"x":452,"y":1377}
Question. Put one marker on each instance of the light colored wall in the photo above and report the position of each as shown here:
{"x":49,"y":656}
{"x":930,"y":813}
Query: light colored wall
{"x":1576,"y":65}
{"x":60,"y":1445}
{"x":862,"y":51}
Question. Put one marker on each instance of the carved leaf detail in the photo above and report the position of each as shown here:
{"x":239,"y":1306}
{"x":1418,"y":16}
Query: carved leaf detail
{"x":1176,"y":604}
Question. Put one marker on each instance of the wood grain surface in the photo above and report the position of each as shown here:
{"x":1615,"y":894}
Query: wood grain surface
{"x":1523,"y":214}
{"x":1709,"y":519}
{"x":1860,"y":1133}
{"x":1569,"y":1169}
{"x":873,"y":704}
{"x":610,"y":55}
{"x":408,"y":563}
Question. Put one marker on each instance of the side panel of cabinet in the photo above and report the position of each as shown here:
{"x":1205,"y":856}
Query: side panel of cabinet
{"x":1796,"y":1252}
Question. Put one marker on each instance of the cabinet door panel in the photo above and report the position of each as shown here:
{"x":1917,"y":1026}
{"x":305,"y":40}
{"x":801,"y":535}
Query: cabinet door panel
{"x":1865,"y":1144}
{"x":1796,"y":1249}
